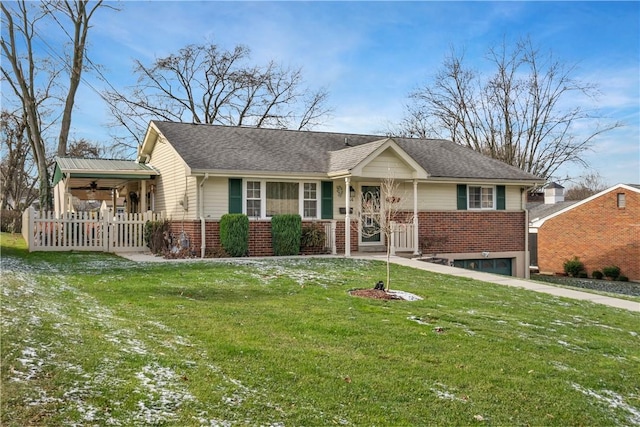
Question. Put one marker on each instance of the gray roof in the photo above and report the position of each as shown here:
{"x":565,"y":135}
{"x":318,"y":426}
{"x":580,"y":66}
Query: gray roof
{"x":218,"y":148}
{"x":77,"y":164}
{"x":543,"y":210}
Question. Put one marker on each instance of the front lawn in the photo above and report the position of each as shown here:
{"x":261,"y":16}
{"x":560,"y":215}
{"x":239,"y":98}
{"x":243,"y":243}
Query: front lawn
{"x":92,"y":339}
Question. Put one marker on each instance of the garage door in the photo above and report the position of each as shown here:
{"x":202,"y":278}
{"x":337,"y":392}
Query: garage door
{"x":497,"y":266}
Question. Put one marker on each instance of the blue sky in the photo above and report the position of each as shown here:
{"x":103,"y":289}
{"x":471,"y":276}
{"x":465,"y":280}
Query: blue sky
{"x":370,"y":55}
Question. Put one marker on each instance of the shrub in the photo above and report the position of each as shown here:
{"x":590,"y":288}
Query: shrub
{"x":573,"y":266}
{"x":313,"y":237}
{"x":157,"y":236}
{"x":611,"y":272}
{"x":234,"y":234}
{"x":597,"y":274}
{"x":286,"y":233}
{"x":583,"y":274}
{"x":622,"y":278}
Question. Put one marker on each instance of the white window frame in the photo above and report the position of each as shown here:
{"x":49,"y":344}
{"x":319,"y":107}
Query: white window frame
{"x":263,"y":197}
{"x":303,"y":199}
{"x":482,"y":187}
{"x":246,"y":198}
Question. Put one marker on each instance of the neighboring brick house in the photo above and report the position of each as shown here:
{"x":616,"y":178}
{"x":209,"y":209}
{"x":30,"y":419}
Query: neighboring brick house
{"x":461,"y":205}
{"x":601,"y":230}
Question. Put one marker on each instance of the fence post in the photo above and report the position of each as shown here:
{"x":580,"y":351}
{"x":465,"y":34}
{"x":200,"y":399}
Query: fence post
{"x":27,"y":227}
{"x":392,"y":243}
{"x":334,"y":248}
{"x":106,"y":220}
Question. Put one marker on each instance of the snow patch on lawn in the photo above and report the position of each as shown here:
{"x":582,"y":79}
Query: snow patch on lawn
{"x":445,"y":392}
{"x":612,"y":400}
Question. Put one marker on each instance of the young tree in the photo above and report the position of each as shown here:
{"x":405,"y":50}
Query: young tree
{"x":379,"y":212}
{"x":526,"y":113}
{"x":208,"y":84}
{"x":36,"y":82}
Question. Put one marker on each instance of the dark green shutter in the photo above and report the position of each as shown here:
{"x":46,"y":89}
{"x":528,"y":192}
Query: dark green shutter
{"x":235,"y":195}
{"x":326,"y":199}
{"x":500,"y":198}
{"x":462,"y":197}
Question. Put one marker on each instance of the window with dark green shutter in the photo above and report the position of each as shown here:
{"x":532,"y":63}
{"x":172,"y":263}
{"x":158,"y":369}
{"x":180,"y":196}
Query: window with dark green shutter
{"x":501,"y":203}
{"x":235,"y":195}
{"x":327,"y":200}
{"x":462,"y":197}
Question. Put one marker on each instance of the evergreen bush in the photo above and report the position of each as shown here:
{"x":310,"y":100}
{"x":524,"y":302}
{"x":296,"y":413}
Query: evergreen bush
{"x":286,"y":234}
{"x":573,"y":266}
{"x":234,"y":234}
{"x":612,"y":272}
{"x":597,"y":274}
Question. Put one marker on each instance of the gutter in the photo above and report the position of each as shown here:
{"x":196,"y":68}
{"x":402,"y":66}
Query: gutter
{"x":203,"y":225}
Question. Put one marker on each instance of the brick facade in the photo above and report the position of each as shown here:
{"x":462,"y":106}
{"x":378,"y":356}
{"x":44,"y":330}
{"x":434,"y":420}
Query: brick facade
{"x":439,"y":232}
{"x":471,"y":231}
{"x":259,"y":237}
{"x":597,"y":232}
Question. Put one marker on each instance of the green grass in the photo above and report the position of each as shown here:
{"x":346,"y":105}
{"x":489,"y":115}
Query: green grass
{"x":92,"y":339}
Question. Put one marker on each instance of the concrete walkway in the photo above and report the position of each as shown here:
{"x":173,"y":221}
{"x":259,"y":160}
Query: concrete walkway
{"x":531,"y":285}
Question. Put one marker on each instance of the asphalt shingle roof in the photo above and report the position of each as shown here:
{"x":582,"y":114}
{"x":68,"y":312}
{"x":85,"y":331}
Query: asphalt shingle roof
{"x":212,"y":147}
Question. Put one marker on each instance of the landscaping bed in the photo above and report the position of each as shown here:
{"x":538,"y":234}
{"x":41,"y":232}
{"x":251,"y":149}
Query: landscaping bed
{"x":602,"y":285}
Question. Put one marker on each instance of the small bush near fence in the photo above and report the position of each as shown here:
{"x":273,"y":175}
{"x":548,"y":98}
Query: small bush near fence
{"x":157,"y":236}
{"x":313,"y":238}
{"x":234,"y":234}
{"x":10,"y":221}
{"x":286,"y":233}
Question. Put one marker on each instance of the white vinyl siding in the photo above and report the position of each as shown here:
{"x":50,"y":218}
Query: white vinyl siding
{"x":216,"y":197}
{"x":172,"y":185}
{"x":387,"y":164}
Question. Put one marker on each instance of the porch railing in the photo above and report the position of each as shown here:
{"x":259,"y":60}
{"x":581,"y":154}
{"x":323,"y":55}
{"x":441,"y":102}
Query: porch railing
{"x":402,"y":237}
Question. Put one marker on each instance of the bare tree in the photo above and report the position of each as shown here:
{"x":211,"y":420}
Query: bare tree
{"x":526,"y":113}
{"x":380,"y":211}
{"x":208,"y":84}
{"x":17,"y":169}
{"x":79,"y":14}
{"x":34,"y":81}
{"x":586,"y":186}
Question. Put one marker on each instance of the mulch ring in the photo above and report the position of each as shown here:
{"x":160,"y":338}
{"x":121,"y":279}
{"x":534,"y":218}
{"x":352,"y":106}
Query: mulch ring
{"x":374,"y":294}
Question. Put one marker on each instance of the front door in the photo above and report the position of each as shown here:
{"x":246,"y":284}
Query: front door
{"x":370,"y":207}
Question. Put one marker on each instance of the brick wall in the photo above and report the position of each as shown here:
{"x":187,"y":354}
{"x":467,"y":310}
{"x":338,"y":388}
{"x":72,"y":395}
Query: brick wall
{"x":597,"y":232}
{"x":471,"y":231}
{"x":443,"y":232}
{"x":259,"y":237}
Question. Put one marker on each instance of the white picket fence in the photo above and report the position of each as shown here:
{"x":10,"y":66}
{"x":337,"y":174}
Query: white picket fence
{"x":85,"y":231}
{"x":403,"y":237}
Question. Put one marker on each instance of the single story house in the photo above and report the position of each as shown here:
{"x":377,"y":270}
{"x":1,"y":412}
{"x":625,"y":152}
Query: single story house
{"x":601,"y":230}
{"x":462,"y":206}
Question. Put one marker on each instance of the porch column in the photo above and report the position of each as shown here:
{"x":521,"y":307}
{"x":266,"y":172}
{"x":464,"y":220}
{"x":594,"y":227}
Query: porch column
{"x":416,"y":243}
{"x":347,"y":218}
{"x":143,"y":196}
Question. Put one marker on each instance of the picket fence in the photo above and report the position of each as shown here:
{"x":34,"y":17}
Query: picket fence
{"x":403,"y":237}
{"x":85,"y":231}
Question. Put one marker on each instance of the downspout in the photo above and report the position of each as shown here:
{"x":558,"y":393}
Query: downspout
{"x":203,"y":225}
